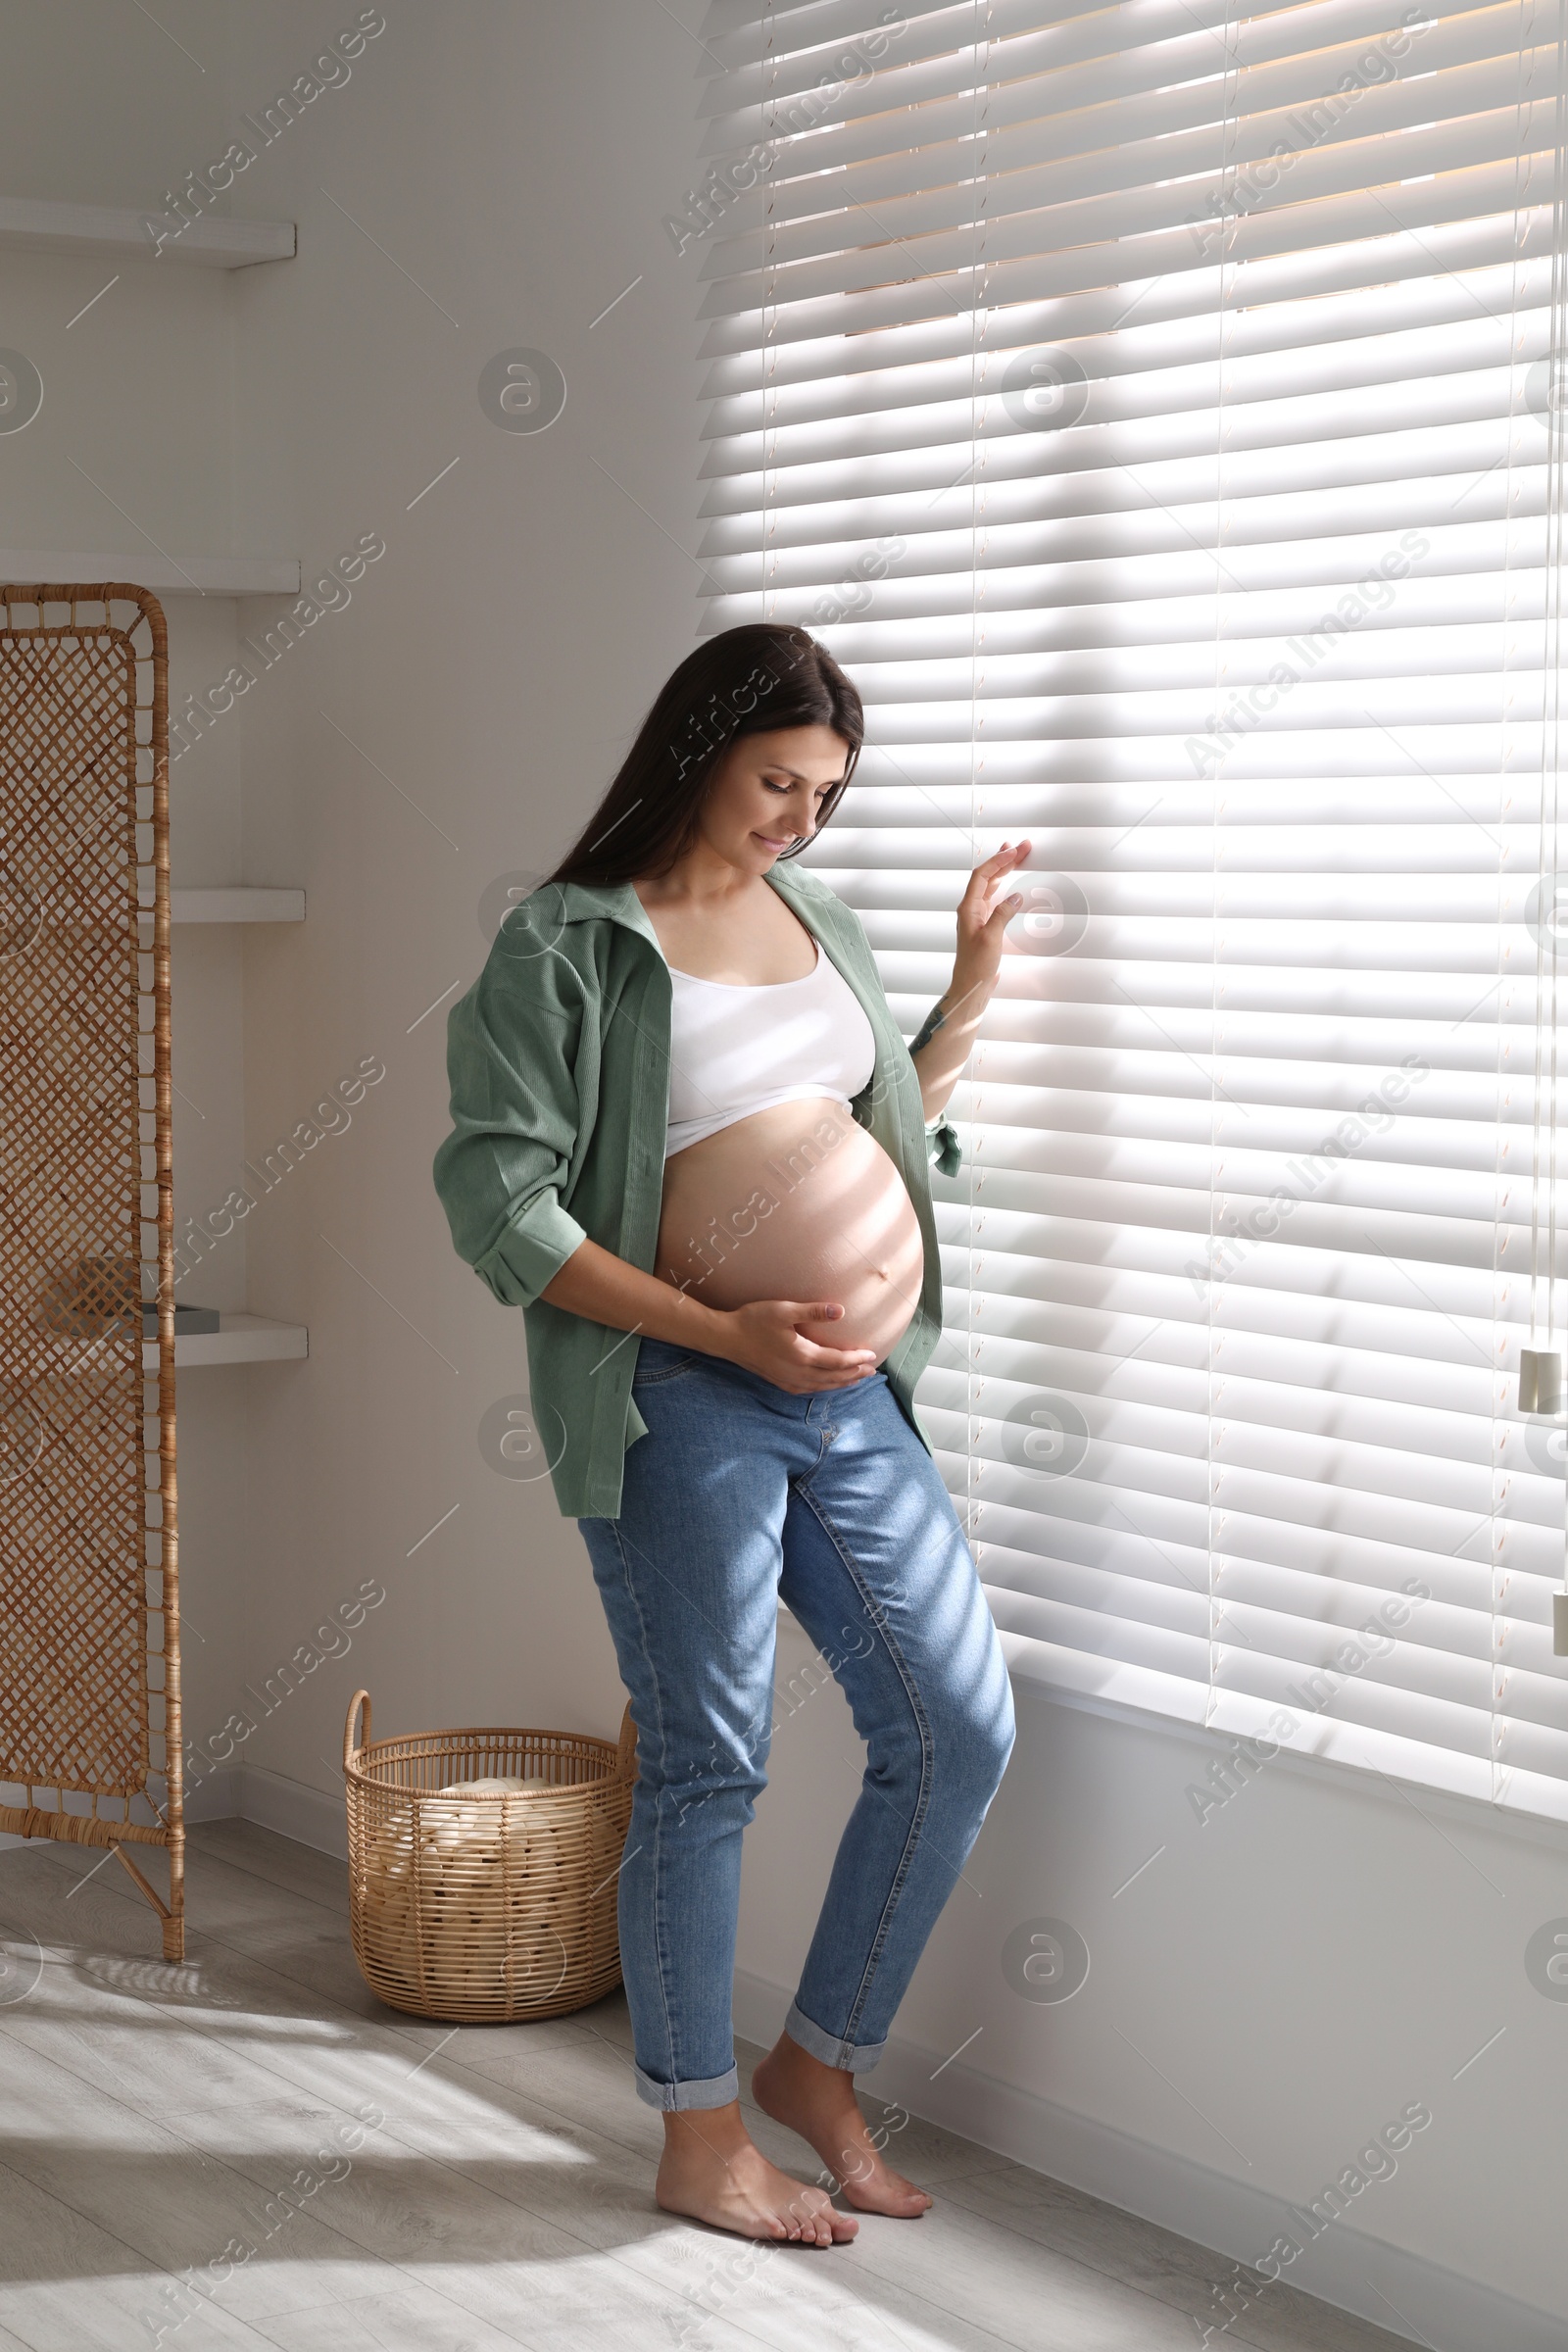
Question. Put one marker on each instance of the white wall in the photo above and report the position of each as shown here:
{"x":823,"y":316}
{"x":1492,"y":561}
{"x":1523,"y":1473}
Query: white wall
{"x":514,"y":161}
{"x":1280,"y":1982}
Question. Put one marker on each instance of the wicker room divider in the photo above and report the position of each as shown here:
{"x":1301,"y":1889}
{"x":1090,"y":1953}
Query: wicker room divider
{"x":89,"y":1593}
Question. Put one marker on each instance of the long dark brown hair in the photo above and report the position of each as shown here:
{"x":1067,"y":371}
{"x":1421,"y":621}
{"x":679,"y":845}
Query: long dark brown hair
{"x":744,"y":682}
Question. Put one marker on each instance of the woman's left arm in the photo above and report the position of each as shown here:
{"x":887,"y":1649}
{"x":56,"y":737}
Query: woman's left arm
{"x":943,"y":1045}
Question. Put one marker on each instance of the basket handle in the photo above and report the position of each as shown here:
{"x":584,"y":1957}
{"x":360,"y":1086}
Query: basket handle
{"x":626,"y":1752}
{"x":360,"y":1698}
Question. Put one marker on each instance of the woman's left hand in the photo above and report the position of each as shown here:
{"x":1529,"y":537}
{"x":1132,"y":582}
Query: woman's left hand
{"x":985,"y":911}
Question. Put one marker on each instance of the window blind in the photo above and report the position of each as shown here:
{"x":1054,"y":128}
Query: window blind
{"x":1150,"y":406}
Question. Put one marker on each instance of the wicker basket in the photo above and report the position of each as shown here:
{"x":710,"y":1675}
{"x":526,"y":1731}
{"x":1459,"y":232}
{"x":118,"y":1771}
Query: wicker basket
{"x":484,"y":1909}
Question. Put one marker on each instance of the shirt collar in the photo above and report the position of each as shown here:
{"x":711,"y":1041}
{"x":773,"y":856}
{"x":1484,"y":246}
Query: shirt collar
{"x":618,"y":903}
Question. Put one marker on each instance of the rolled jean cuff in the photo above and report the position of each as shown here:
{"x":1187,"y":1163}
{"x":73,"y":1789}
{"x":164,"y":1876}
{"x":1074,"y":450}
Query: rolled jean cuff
{"x":674,"y":2098}
{"x":856,"y":2057}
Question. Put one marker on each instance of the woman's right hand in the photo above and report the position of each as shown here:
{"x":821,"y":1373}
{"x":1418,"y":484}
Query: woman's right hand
{"x":761,"y":1338}
{"x":764,"y":1338}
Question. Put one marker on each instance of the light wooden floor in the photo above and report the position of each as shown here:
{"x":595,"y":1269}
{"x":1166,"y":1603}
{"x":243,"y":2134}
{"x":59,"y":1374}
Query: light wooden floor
{"x":153,"y":2115}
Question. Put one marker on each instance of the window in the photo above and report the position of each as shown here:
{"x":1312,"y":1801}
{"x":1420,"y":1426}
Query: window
{"x":1151,"y":407}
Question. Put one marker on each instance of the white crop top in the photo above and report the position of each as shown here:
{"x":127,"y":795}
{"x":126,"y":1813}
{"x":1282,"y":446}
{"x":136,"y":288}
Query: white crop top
{"x":735,"y":1050}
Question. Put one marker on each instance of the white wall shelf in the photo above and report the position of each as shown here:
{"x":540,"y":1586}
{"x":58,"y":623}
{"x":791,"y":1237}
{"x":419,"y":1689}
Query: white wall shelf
{"x":165,"y":575}
{"x":33,"y":225}
{"x":243,"y":1340}
{"x":237,"y":906}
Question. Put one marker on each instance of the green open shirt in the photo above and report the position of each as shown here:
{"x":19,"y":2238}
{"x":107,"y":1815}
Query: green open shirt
{"x":558,"y":1058}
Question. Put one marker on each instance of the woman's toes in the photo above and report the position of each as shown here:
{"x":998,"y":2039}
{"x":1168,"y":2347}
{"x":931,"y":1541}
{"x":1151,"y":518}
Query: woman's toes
{"x":826,"y":2226}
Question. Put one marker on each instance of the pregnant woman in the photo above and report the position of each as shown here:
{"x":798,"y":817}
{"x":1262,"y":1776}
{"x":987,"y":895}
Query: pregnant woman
{"x":690,"y":1141}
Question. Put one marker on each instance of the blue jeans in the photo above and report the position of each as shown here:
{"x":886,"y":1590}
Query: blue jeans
{"x":739,"y":1495}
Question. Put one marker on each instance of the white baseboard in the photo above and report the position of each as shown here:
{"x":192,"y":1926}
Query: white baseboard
{"x":217,"y":1797}
{"x":1181,"y":2195}
{"x":312,"y":1817}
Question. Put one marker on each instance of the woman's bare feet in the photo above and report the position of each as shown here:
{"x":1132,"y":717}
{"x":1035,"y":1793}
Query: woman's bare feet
{"x":712,"y":2172}
{"x":818,"y":2102}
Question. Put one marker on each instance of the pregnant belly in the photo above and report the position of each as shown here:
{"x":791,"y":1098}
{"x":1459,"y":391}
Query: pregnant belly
{"x":797,"y":1202}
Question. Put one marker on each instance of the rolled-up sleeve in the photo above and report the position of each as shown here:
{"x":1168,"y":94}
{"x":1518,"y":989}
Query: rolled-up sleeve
{"x":516,"y":1117}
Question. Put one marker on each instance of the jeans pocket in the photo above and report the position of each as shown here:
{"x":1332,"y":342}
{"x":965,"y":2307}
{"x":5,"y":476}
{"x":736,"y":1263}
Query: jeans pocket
{"x":659,"y":1360}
